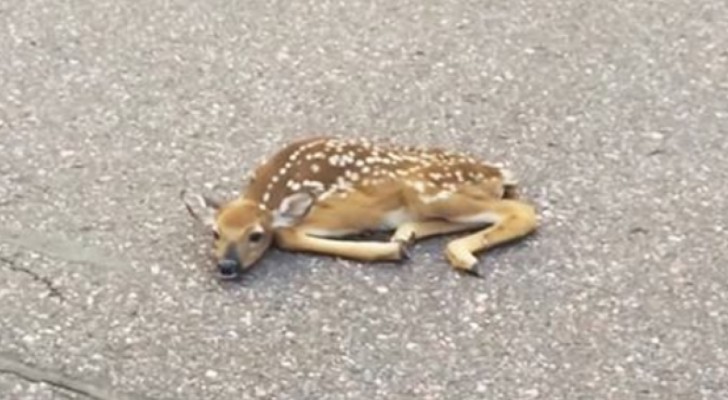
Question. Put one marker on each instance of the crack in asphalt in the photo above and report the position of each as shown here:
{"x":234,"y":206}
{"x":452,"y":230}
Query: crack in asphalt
{"x":53,"y":290}
{"x":58,"y":380}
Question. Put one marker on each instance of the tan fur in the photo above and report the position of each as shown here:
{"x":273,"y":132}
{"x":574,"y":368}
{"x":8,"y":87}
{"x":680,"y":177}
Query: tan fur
{"x":358,"y":186}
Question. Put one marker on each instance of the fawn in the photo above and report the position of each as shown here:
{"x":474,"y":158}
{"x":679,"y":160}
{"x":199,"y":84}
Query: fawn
{"x":314,"y":193}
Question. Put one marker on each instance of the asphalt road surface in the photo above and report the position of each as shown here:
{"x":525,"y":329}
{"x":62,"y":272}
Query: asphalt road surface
{"x":614,"y":115}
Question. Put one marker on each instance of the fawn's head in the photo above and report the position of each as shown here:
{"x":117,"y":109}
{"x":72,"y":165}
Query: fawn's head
{"x":242,"y":230}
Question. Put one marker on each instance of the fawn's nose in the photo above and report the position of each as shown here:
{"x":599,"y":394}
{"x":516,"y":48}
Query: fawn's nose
{"x":229,"y":267}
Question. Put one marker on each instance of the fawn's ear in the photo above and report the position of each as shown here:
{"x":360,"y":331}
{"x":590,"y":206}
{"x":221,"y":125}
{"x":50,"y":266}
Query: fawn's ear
{"x":292,"y":209}
{"x":202,"y":208}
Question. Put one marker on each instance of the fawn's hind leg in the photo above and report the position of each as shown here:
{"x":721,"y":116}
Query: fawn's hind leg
{"x":512,"y":219}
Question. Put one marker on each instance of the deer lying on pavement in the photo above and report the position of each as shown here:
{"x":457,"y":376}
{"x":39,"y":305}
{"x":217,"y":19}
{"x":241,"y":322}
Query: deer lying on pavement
{"x":314,"y":193}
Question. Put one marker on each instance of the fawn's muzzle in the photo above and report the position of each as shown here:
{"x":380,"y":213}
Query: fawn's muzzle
{"x":229,"y":267}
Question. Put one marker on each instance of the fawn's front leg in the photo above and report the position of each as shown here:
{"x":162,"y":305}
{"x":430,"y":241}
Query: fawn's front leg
{"x":411,"y":231}
{"x":297,"y":239}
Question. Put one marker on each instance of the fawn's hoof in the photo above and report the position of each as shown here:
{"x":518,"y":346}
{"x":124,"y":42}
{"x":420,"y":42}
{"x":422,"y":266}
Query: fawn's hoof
{"x":405,"y":249}
{"x":405,"y":246}
{"x":469,"y":272}
{"x":461,"y":260}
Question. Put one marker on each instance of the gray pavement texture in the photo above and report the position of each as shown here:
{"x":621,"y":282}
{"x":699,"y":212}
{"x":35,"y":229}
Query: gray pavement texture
{"x":613,"y":114}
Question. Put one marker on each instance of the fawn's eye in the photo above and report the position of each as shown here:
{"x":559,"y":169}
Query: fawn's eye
{"x":255,"y":237}
{"x":216,"y":235}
